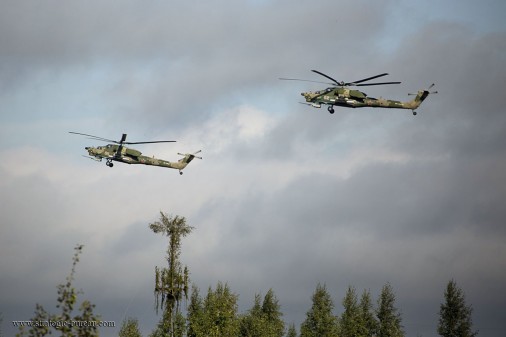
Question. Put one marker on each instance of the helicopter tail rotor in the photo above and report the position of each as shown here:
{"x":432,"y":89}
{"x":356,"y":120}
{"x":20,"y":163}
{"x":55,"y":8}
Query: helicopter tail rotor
{"x":425,"y":91}
{"x":187,"y":156}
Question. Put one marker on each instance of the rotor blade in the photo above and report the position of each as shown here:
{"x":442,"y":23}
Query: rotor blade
{"x":327,"y":76}
{"x":298,"y":79}
{"x":369,"y":78}
{"x":156,"y":141}
{"x":382,"y":83}
{"x":123,"y":138}
{"x":94,"y":137}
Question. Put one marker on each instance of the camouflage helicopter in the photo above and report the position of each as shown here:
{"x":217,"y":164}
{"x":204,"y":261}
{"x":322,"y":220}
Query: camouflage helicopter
{"x":340,"y":95}
{"x":120,"y":153}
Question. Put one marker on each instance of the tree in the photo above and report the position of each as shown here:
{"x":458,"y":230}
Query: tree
{"x":454,"y":315}
{"x":179,"y":325}
{"x":220,"y":312}
{"x":370,"y":325}
{"x":275,"y":327}
{"x":130,"y":328}
{"x":171,"y":284}
{"x":292,"y":332}
{"x":253,"y":323}
{"x":389,"y":319}
{"x":351,"y":324}
{"x":263,"y":319}
{"x":195,"y":315}
{"x":320,"y":322}
{"x":43,"y":323}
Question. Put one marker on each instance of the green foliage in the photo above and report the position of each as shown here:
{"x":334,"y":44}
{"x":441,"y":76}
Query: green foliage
{"x":454,"y":315}
{"x":216,"y":315}
{"x":351,"y":324}
{"x":253,"y":323}
{"x":389,"y":319}
{"x":67,"y":300}
{"x":195,"y":315}
{"x":171,"y":284}
{"x":176,"y":329}
{"x":292,"y":332}
{"x":220,"y":312}
{"x":320,"y":322}
{"x":130,"y":328}
{"x":357,"y":320}
{"x":158,"y":332}
{"x":370,"y":325}
{"x":263,"y":319}
{"x":179,"y":325}
{"x":271,"y":310}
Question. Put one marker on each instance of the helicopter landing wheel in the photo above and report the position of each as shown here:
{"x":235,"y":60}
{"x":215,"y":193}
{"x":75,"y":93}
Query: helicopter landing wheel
{"x":109,"y":163}
{"x":331,"y":109}
{"x":180,"y":173}
{"x":414,"y":113}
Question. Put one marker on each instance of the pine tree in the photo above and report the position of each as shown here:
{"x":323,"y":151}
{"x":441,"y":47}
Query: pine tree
{"x":264,"y":318}
{"x":454,"y":315}
{"x":350,"y":324}
{"x":129,"y":328}
{"x":179,"y":325}
{"x":292,"y":332}
{"x":253,"y":323}
{"x":320,"y":322}
{"x":389,"y":319}
{"x":195,"y":315}
{"x":370,"y":325}
{"x":171,"y":284}
{"x":273,"y":317}
{"x":220,"y":312}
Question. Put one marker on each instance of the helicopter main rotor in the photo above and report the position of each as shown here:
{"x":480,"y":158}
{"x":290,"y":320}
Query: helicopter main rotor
{"x":342,"y":83}
{"x":122,"y":140}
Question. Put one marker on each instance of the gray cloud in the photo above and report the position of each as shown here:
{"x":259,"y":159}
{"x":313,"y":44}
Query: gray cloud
{"x":286,"y":196}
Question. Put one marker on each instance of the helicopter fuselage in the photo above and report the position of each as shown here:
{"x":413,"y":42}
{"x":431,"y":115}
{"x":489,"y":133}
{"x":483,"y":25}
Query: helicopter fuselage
{"x":132,"y":156}
{"x":350,"y":98}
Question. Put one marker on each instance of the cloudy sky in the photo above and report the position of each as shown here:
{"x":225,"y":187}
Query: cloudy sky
{"x":286,"y":196}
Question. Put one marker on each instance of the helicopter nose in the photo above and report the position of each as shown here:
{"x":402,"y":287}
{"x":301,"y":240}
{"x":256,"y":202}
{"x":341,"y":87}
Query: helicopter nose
{"x":306,"y":96}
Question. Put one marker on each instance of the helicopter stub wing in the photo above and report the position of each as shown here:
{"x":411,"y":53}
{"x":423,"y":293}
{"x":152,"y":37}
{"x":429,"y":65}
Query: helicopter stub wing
{"x":93,"y":158}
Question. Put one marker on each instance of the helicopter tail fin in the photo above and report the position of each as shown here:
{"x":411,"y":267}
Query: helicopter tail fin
{"x":187,"y":158}
{"x":421,"y":95}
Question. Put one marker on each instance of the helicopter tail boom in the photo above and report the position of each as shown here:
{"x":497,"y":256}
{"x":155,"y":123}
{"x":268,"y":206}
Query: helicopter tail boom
{"x":415,"y":103}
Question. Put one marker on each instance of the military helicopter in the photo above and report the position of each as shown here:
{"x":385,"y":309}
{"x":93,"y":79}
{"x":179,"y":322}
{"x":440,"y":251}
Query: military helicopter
{"x":120,"y":153}
{"x":340,"y":95}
